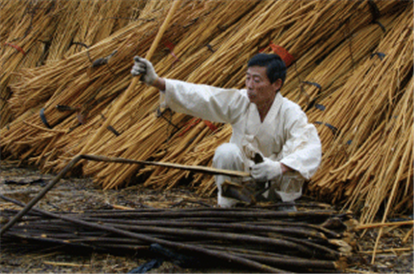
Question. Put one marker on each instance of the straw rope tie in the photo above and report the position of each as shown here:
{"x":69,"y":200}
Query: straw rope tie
{"x":313,"y":102}
{"x":104,"y":61}
{"x":380,"y":55}
{"x":374,"y":10}
{"x":335,"y":130}
{"x":381,"y":25}
{"x":171,"y":47}
{"x":210,"y":48}
{"x":194,"y":121}
{"x":111,"y":129}
{"x":83,"y":45}
{"x":169,"y":120}
{"x":43,"y":118}
{"x":16,"y":47}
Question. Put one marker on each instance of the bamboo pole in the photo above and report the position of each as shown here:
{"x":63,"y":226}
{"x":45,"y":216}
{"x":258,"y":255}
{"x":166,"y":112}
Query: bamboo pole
{"x":131,"y":87}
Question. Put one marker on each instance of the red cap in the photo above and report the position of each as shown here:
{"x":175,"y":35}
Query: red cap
{"x":284,"y":54}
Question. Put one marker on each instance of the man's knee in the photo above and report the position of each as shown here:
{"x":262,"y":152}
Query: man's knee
{"x":226,"y":155}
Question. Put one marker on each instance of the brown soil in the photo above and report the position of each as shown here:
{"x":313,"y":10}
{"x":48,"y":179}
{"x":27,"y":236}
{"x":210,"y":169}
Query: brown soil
{"x":74,"y":194}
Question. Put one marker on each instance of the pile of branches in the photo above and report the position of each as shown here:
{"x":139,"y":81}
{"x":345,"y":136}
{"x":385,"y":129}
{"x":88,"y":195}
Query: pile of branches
{"x":263,"y":238}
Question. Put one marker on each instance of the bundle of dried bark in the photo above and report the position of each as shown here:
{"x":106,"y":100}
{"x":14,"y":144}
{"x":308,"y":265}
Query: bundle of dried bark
{"x":21,"y":47}
{"x":81,"y":90}
{"x":310,"y":240}
{"x":365,"y":157}
{"x":35,"y":33}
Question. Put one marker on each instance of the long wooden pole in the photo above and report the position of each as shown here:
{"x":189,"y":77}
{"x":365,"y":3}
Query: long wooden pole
{"x":131,"y":87}
{"x":75,"y":160}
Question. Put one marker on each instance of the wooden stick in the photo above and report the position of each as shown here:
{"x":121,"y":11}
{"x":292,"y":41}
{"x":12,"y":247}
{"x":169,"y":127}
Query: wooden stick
{"x":406,"y":237}
{"x":207,"y":170}
{"x":131,"y":87}
{"x":375,"y":225}
{"x":116,"y":160}
{"x":65,"y":264}
{"x":387,"y":250}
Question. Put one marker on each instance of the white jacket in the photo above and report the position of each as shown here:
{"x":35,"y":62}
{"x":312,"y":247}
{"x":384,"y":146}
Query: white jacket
{"x":285,"y":135}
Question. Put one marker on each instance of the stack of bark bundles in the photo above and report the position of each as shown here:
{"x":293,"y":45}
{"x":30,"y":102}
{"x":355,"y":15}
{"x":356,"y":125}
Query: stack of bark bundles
{"x":332,"y":42}
{"x":314,"y":239}
{"x":35,"y":33}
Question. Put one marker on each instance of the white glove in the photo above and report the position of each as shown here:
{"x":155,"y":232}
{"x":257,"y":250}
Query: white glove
{"x":144,"y":67}
{"x":250,"y":151}
{"x":266,"y":171}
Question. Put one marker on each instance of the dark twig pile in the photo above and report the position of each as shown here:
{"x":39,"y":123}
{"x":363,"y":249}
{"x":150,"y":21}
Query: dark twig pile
{"x":260,"y":238}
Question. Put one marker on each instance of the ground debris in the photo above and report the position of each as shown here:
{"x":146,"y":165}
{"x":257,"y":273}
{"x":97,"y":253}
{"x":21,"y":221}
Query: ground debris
{"x":79,"y":195}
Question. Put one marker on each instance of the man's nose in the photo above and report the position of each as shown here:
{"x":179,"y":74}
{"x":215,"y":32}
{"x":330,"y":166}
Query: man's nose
{"x":249,"y":84}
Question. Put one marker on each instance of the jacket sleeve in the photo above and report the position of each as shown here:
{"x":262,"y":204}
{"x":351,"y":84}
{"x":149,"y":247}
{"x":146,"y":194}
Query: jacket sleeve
{"x":206,"y":102}
{"x":302,"y":150}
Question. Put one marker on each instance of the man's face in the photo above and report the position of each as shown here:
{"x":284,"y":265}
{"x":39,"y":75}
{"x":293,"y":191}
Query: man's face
{"x":259,"y":88}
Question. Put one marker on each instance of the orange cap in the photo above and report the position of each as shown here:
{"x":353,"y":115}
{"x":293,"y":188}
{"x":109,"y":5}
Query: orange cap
{"x":283,"y":53}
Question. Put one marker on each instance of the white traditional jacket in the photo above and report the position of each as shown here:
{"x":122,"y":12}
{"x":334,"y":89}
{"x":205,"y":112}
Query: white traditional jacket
{"x":285,"y":134}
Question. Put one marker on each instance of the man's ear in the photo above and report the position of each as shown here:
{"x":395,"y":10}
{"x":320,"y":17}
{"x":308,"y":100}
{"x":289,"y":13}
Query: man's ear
{"x":277,"y":85}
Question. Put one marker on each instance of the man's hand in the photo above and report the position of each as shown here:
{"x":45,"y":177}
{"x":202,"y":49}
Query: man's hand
{"x":267,"y":170}
{"x":144,"y":67}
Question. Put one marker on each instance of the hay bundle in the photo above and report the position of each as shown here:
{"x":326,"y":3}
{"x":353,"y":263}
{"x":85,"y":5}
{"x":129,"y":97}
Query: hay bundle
{"x":368,"y":152}
{"x":21,"y":47}
{"x":85,"y":83}
{"x":229,"y":64}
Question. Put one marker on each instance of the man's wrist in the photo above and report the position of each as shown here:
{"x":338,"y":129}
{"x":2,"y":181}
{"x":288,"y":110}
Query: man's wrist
{"x":285,"y":168}
{"x":159,"y":83}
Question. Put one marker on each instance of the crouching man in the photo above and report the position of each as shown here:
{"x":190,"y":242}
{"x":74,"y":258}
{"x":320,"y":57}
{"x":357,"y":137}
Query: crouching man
{"x":265,"y":125}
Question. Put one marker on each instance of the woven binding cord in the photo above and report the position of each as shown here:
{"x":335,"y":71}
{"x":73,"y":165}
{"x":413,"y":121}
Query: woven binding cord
{"x":43,"y":118}
{"x":334,"y":130}
{"x":194,"y":121}
{"x":171,"y":47}
{"x":379,"y":54}
{"x":381,"y":25}
{"x":210,"y":125}
{"x":111,"y":129}
{"x":374,"y":10}
{"x":313,"y":84}
{"x":313,"y":102}
{"x":190,"y":124}
{"x":161,"y":114}
{"x":104,"y":61}
{"x":210,"y":48}
{"x":16,"y":47}
{"x":83,"y":45}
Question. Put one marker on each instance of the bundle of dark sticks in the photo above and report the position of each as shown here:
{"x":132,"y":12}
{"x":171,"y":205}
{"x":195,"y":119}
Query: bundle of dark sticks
{"x":261,"y":238}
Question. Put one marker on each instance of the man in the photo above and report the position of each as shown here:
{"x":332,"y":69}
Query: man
{"x":263,"y":122}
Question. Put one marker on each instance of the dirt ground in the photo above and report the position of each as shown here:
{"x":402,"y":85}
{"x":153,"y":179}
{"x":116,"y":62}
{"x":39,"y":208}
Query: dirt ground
{"x":76,"y":195}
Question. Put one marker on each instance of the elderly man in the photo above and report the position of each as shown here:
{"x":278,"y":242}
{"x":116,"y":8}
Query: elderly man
{"x":263,"y":122}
